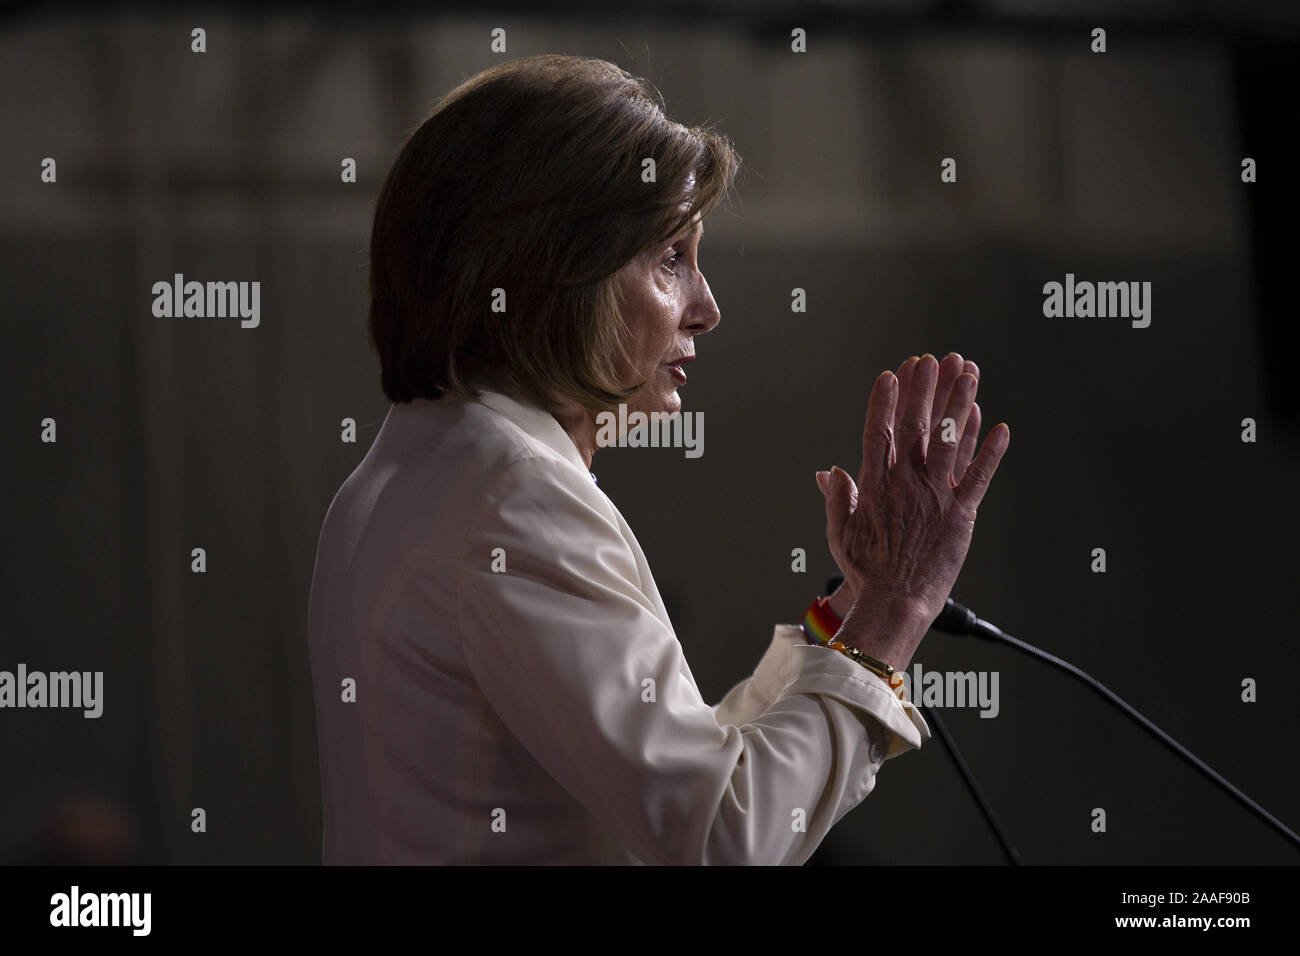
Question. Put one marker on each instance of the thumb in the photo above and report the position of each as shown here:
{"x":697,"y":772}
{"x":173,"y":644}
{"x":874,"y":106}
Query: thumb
{"x":837,"y":503}
{"x":839,"y":478}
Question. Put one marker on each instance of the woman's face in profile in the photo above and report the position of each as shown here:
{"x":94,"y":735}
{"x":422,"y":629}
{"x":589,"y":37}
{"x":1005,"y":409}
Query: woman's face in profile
{"x":668,"y":303}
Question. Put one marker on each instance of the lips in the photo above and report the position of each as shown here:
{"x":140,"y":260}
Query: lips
{"x":675,"y":367}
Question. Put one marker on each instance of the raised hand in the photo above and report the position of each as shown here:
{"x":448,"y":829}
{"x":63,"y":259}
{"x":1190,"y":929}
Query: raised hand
{"x":901,"y":533}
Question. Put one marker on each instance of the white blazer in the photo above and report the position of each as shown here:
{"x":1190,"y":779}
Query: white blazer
{"x":497,"y":681}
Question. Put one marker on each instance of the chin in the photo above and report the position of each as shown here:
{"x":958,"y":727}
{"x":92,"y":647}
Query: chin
{"x":671,"y":403}
{"x":668,"y":403}
{"x":657,"y":397}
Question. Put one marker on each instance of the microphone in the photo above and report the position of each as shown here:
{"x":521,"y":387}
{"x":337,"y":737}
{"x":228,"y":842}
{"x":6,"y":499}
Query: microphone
{"x":956,"y":618}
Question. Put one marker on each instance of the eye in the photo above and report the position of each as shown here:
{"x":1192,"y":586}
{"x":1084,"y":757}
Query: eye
{"x":671,"y":262}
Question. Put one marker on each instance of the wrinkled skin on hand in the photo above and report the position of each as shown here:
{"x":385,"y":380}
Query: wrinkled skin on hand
{"x":900,"y":534}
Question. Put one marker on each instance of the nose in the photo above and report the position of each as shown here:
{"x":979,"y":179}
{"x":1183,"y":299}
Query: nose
{"x":703,"y":313}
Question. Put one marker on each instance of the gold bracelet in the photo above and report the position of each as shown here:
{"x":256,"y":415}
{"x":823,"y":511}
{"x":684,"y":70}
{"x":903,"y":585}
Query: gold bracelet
{"x":880,"y":668}
{"x":866,"y":660}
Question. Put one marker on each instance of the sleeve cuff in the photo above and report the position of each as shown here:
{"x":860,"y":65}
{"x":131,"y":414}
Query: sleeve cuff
{"x":793,"y":666}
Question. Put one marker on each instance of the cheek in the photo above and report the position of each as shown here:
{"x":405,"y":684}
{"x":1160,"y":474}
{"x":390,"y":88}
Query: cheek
{"x":654,"y":317}
{"x":654,"y":333}
{"x":656,"y":346}
{"x":667,"y":319}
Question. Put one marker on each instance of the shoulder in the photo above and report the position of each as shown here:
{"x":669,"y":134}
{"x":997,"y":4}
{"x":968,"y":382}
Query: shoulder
{"x":439,"y":468}
{"x":545,"y":497}
{"x":505,"y":440}
{"x":477,"y":439}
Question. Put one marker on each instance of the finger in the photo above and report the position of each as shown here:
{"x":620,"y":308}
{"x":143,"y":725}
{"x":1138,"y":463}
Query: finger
{"x":951,"y":366}
{"x":966,"y":450}
{"x":904,"y":383}
{"x":970,"y":491}
{"x":878,"y":432}
{"x":948,"y":430}
{"x":914,"y":422}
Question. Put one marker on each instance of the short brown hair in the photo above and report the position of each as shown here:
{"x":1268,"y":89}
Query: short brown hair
{"x":528,"y":177}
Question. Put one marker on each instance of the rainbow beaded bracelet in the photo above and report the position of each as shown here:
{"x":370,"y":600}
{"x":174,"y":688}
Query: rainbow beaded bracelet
{"x":821,"y":624}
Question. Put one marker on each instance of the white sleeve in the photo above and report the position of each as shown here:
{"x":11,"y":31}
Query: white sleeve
{"x":569,"y":651}
{"x":780,"y":665}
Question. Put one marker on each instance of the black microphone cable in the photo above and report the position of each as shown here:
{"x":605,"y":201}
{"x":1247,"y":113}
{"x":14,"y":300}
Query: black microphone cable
{"x":958,"y":619}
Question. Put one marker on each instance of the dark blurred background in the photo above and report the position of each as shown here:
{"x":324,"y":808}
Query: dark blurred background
{"x":175,"y":434}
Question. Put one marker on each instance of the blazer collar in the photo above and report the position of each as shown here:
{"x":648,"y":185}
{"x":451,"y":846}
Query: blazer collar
{"x":537,"y":422}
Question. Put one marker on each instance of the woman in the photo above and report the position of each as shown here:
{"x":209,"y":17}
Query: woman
{"x":496,"y":678}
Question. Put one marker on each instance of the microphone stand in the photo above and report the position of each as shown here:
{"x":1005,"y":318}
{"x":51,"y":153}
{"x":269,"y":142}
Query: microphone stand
{"x":931,"y":716}
{"x":958,"y":619}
